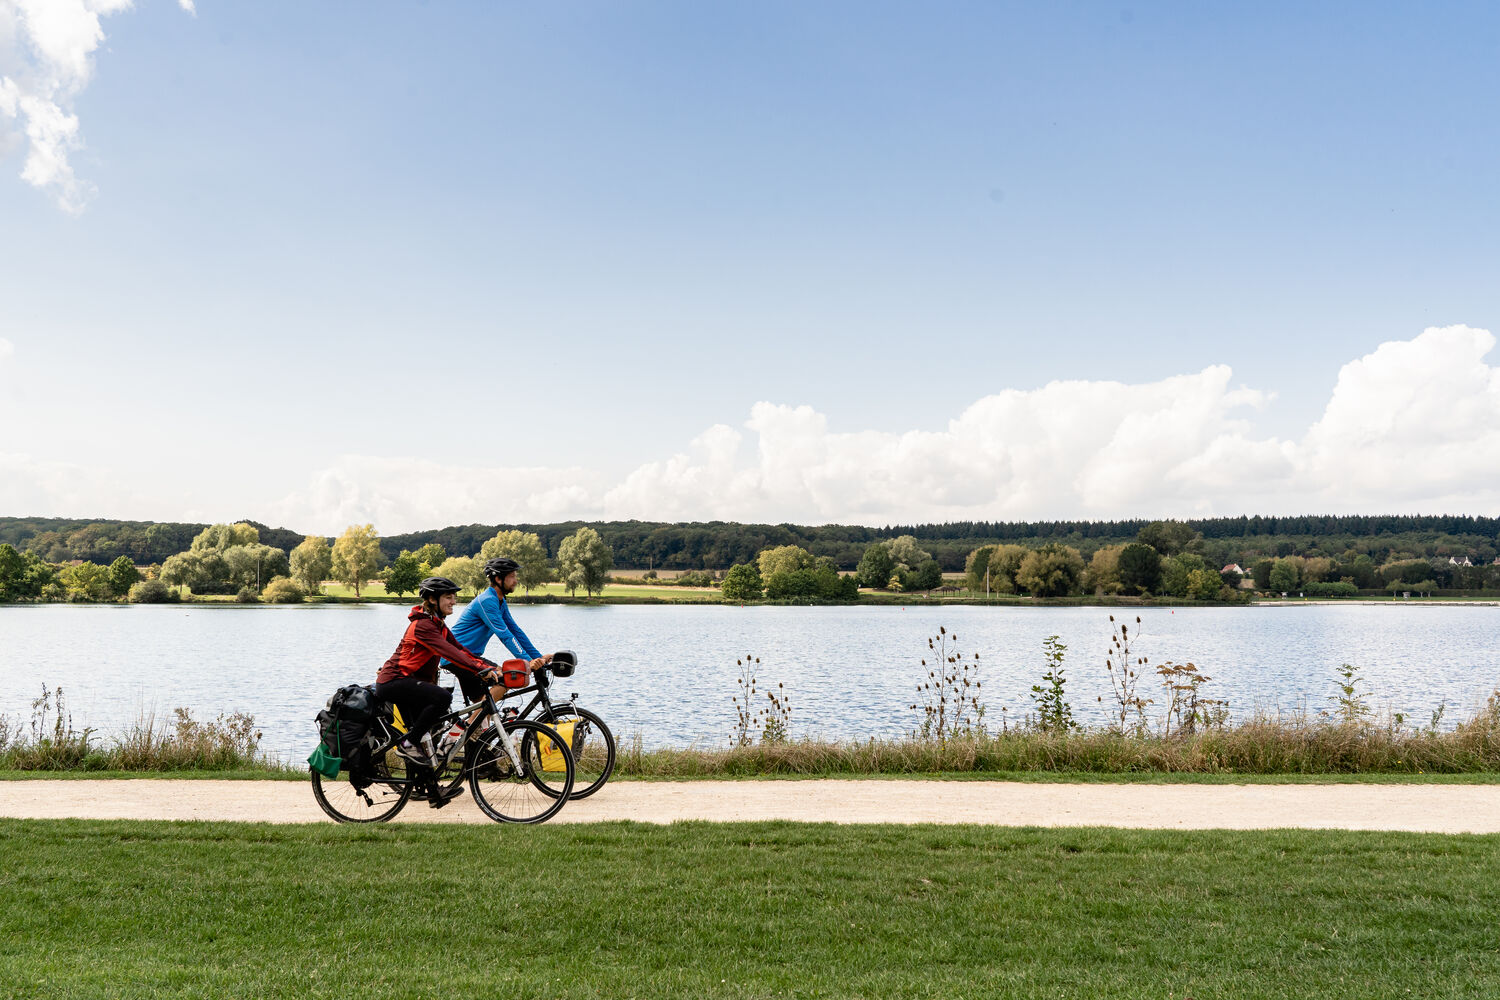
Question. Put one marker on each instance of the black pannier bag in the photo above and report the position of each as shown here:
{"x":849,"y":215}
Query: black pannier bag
{"x":343,"y":725}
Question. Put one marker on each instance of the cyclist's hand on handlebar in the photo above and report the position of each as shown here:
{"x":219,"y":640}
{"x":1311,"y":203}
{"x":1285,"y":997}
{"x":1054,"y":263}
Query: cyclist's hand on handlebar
{"x":490,"y":675}
{"x":539,"y":662}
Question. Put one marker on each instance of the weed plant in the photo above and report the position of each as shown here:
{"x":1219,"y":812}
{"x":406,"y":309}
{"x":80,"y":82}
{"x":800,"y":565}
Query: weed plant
{"x":772,"y":721}
{"x":1053,"y":713}
{"x":948,"y":704}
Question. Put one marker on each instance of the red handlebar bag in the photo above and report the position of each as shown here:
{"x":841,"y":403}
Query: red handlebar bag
{"x":513,"y":673}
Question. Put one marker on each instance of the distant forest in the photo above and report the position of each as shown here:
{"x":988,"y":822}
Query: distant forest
{"x":717,"y":545}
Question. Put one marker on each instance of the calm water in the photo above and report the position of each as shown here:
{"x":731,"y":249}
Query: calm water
{"x":668,"y":673}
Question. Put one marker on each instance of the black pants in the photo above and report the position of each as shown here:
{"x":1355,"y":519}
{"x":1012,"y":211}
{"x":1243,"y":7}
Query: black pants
{"x":421,"y":704}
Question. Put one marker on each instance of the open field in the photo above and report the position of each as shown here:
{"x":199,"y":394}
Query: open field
{"x":741,"y":910}
{"x":633,"y":592}
{"x":376,"y":590}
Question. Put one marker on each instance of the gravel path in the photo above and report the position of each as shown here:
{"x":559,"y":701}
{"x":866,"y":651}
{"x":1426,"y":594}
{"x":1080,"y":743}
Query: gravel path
{"x":1421,"y":808}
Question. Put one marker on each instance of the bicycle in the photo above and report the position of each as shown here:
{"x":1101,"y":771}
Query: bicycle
{"x":592,"y":743}
{"x":520,"y":772}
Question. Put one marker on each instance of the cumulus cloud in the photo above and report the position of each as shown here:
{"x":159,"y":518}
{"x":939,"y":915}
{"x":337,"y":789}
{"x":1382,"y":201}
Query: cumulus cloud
{"x":1413,"y":426}
{"x":397,"y":494}
{"x":51,"y":488}
{"x":46,"y":60}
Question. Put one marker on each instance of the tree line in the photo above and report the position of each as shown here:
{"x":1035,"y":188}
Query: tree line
{"x":717,"y":545}
{"x":234,"y":559}
{"x":1172,"y":558}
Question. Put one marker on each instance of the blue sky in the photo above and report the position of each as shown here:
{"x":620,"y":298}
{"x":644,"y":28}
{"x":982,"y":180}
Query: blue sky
{"x":427,"y":263}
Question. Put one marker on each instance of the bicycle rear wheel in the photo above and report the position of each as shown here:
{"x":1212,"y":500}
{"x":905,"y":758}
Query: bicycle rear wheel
{"x":379,"y":801}
{"x":532,"y":794}
{"x":593,"y":747}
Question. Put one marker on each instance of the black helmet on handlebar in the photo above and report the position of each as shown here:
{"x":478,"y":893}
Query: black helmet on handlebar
{"x":564,"y":662}
{"x":437,"y":586}
{"x":501,"y":567}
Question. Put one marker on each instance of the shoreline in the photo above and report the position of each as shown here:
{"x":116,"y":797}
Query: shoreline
{"x":918,"y":601}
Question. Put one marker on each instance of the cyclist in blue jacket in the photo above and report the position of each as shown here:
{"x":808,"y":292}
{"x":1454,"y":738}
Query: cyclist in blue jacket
{"x":489,"y":615}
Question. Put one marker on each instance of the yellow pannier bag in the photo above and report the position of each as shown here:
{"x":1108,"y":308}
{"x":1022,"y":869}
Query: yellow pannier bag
{"x":552,"y":758}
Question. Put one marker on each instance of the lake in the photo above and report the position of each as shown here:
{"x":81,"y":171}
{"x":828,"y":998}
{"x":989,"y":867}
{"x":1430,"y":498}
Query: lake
{"x":668,"y":673}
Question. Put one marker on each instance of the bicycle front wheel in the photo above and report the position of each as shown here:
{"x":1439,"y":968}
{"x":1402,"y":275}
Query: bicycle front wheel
{"x":593,"y":747}
{"x":531,"y":793}
{"x":382,"y":798}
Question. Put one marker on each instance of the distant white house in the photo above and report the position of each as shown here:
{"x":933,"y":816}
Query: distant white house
{"x":1455,"y":561}
{"x":1237,"y":568}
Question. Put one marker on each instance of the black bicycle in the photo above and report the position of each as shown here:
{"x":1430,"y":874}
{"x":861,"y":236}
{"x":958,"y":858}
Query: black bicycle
{"x":520,"y":772}
{"x":592,"y":743}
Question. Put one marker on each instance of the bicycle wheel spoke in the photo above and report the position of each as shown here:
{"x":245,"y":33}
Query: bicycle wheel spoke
{"x":377,"y":802}
{"x":534,"y":792}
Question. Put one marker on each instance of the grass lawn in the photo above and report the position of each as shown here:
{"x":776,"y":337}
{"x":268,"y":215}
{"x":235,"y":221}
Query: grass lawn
{"x":114,"y":909}
{"x":376,"y":589}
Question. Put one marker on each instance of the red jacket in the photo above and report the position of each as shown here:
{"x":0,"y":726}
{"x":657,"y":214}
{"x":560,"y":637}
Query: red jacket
{"x":427,"y":640}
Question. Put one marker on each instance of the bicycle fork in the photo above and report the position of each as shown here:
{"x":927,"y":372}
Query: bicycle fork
{"x":509,"y":743}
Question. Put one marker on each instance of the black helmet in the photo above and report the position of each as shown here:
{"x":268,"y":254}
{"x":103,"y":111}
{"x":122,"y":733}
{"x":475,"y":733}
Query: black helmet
{"x":501,"y":566}
{"x":436,"y":586}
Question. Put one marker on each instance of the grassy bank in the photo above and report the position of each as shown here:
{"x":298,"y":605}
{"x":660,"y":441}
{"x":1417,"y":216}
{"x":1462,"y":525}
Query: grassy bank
{"x":51,"y":744}
{"x":1299,"y":744}
{"x":742,"y":910}
{"x":1259,"y":747}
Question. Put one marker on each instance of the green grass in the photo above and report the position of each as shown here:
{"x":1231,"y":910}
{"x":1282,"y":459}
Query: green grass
{"x":134,"y":910}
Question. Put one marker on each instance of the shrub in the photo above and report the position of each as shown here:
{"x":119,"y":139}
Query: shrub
{"x":281,"y":590}
{"x":150,"y":592}
{"x":247,"y":595}
{"x":1334,"y":589}
{"x":742,"y":583}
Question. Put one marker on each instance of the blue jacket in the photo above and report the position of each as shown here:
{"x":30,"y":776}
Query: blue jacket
{"x":485,"y":616}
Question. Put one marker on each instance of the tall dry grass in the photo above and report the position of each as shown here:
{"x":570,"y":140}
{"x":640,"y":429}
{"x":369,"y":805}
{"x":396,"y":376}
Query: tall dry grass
{"x":1264,"y":744}
{"x":182,"y":743}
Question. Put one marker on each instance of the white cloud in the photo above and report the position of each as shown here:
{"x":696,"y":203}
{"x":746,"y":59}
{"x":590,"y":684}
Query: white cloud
{"x":40,"y":487}
{"x":397,"y":495}
{"x":188,"y":6}
{"x":46,"y":59}
{"x":6,"y":349}
{"x":1413,"y":426}
{"x":1412,"y":420}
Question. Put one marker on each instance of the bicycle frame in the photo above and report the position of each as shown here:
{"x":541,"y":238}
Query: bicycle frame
{"x":486,"y":708}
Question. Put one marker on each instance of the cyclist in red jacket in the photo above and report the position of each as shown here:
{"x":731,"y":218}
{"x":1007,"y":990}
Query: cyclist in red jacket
{"x":409,"y":677}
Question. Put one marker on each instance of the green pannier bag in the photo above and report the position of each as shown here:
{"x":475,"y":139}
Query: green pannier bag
{"x":325,"y":763}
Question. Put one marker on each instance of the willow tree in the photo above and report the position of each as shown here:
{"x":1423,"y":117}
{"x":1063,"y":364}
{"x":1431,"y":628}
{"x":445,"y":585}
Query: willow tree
{"x":585,"y":561}
{"x":356,"y":556}
{"x":525,"y":548}
{"x":311,"y":563}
